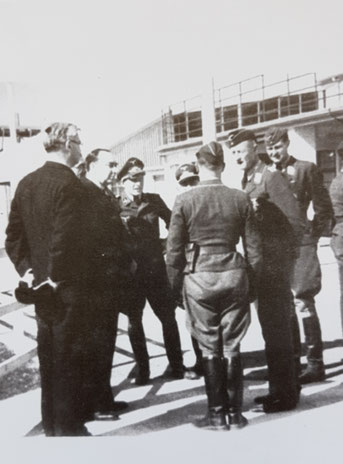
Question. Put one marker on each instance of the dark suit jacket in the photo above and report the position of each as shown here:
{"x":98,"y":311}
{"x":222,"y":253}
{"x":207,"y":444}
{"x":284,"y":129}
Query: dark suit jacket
{"x":44,"y":225}
{"x":106,"y":239}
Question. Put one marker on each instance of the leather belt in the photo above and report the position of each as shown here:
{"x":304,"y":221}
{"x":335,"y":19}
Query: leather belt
{"x":215,"y":249}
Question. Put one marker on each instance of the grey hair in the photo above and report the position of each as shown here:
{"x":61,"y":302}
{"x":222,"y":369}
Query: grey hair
{"x":57,"y":135}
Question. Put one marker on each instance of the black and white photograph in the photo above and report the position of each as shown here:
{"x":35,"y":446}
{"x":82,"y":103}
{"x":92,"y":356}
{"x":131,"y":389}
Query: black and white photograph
{"x":171,"y":231}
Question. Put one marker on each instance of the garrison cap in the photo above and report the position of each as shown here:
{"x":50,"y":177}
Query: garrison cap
{"x":274,"y":135}
{"x":213,"y":152}
{"x":238,"y":136}
{"x":132,"y":169}
{"x":185,"y":172}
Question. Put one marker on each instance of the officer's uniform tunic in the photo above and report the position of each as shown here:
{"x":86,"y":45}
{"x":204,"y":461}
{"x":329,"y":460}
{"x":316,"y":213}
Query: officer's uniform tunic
{"x":142,"y":222}
{"x":207,"y":223}
{"x":281,"y":228}
{"x":306,"y":183}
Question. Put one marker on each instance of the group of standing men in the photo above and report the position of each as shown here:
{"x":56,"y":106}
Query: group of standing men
{"x":99,"y":255}
{"x":83,"y":255}
{"x":281,"y":269}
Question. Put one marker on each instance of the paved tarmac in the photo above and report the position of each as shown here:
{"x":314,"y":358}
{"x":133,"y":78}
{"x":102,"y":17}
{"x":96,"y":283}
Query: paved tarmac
{"x":158,"y":425}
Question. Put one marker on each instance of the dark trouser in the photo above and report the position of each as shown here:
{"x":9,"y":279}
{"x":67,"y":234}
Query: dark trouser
{"x":154,"y":287}
{"x":61,"y":349}
{"x":306,"y":284}
{"x":277,"y":320}
{"x":337,"y":247}
{"x":102,"y":318}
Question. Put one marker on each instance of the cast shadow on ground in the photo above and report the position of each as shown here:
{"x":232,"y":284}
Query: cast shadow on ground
{"x":185,"y":415}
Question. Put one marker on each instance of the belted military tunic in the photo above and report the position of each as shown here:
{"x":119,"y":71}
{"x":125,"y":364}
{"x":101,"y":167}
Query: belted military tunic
{"x":206,"y":225}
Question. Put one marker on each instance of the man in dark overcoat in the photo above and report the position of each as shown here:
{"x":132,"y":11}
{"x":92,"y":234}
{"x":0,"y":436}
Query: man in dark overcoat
{"x":306,"y":182}
{"x":108,"y":272}
{"x":281,"y":227}
{"x":43,"y":241}
{"x":207,"y":223}
{"x":140,"y":212}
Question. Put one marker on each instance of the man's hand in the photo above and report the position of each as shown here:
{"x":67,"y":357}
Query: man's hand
{"x":28,"y":278}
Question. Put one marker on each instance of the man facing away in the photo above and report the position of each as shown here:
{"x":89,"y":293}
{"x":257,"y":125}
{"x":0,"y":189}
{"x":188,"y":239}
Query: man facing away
{"x":43,"y":241}
{"x":306,"y":182}
{"x":108,"y":264}
{"x":187,"y":176}
{"x":281,"y":228}
{"x":206,"y":225}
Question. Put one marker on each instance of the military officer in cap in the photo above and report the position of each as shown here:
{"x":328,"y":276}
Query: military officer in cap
{"x":281,"y":228}
{"x":187,"y":176}
{"x":140,"y":212}
{"x":207,"y":222}
{"x":306,"y":182}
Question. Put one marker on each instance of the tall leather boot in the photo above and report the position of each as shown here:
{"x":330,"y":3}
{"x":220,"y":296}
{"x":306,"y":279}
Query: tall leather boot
{"x":215,"y":389}
{"x":197,"y":371}
{"x":172,"y":345}
{"x":296,"y":341}
{"x":234,"y":389}
{"x":315,"y":371}
{"x":138,"y":343}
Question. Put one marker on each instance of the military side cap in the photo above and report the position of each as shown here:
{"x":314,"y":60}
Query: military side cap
{"x":132,"y":169}
{"x":274,"y":135}
{"x":213,"y":152}
{"x":185,"y":172}
{"x":238,"y":136}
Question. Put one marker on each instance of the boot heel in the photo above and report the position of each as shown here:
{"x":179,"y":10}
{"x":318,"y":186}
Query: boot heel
{"x":215,"y":420}
{"x":237,"y":421}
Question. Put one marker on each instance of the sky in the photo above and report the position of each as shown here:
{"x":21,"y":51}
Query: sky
{"x":111,"y":66}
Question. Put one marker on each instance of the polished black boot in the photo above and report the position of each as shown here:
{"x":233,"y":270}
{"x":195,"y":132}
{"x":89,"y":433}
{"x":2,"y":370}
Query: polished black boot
{"x":138,"y":343}
{"x":197,"y":371}
{"x":296,"y":342}
{"x":214,"y":374}
{"x":315,"y":371}
{"x":234,"y":389}
{"x":172,"y":345}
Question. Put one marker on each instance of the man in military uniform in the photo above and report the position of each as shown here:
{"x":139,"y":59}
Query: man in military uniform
{"x":281,"y":228}
{"x":108,"y":267}
{"x":140,"y":212}
{"x":187,"y":176}
{"x":207,"y":222}
{"x":306,"y":182}
{"x":336,"y":194}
